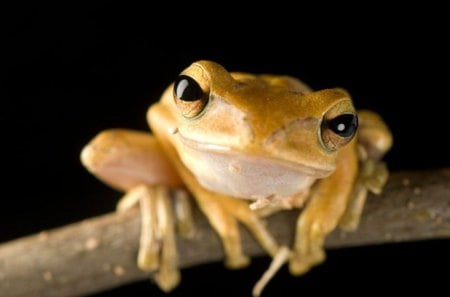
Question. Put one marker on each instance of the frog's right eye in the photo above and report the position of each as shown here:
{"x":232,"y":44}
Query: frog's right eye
{"x":190,"y":98}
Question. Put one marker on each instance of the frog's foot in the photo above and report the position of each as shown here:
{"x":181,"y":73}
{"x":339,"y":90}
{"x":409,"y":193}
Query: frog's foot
{"x":157,"y":250}
{"x":300,"y":263}
{"x":224,"y":213}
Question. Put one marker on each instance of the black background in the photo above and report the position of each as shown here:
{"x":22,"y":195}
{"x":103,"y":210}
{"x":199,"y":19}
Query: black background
{"x":73,"y":71}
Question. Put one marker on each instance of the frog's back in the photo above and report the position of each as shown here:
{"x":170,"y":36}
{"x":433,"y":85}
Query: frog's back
{"x":271,"y":80}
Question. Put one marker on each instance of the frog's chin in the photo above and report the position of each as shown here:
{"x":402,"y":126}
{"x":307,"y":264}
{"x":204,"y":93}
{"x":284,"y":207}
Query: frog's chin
{"x":227,"y":171}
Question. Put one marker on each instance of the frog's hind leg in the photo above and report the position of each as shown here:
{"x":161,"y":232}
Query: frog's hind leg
{"x":133,"y":162}
{"x":124,"y":159}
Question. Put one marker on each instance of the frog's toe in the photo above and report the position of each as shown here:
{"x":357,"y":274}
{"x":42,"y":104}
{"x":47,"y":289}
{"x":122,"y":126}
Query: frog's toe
{"x":183,"y":213}
{"x":298,"y":267}
{"x":237,"y":262}
{"x":168,"y":279}
{"x":300,"y":264}
{"x":148,"y":259}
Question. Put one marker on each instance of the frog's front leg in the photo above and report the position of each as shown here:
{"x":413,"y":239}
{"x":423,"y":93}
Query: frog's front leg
{"x":374,"y":139}
{"x":133,"y":162}
{"x":224,"y":213}
{"x":326,"y":205}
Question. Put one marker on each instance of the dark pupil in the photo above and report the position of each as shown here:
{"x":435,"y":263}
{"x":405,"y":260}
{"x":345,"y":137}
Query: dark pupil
{"x":187,"y":89}
{"x":344,"y":125}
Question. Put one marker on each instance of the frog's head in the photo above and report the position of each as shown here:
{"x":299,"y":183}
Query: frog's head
{"x":255,"y":136}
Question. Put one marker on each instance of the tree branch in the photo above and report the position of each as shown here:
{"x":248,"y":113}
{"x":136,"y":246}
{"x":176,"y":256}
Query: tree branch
{"x":100,"y":253}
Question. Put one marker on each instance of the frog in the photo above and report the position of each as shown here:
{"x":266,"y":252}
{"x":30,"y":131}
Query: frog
{"x":243,"y":146}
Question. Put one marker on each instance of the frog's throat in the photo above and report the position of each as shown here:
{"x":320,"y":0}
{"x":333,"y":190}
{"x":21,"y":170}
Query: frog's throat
{"x":224,"y":170}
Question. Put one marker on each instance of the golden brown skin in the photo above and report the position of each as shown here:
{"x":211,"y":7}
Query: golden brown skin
{"x":245,"y":146}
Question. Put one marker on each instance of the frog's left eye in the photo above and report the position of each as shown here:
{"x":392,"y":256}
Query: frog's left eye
{"x":338,"y":131}
{"x":190,"y":98}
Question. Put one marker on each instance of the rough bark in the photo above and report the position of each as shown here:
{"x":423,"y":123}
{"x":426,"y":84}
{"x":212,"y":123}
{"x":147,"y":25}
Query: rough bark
{"x":100,"y":253}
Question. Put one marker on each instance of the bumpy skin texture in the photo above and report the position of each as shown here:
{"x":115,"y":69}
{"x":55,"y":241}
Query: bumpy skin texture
{"x":245,"y":146}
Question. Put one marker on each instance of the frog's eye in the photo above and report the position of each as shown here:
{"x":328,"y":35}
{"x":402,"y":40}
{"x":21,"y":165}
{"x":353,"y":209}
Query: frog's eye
{"x":190,"y":98}
{"x":338,"y":131}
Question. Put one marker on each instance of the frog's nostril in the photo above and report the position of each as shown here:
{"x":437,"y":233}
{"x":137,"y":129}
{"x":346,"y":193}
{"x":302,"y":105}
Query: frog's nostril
{"x":276,"y":137}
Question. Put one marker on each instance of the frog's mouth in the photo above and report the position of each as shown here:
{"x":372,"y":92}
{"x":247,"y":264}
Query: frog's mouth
{"x":228,"y":171}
